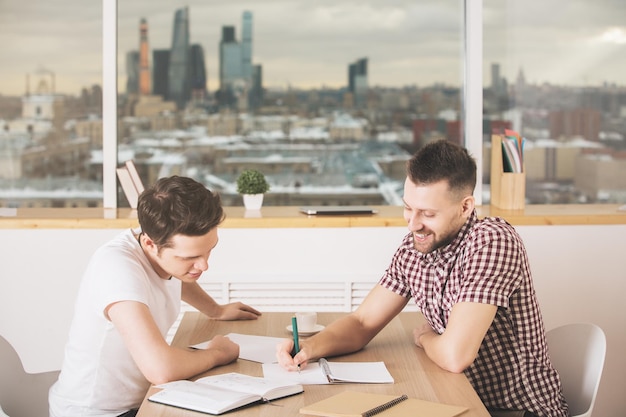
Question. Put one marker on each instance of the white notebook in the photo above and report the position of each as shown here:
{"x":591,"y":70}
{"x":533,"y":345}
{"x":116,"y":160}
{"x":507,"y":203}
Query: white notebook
{"x":324,"y":372}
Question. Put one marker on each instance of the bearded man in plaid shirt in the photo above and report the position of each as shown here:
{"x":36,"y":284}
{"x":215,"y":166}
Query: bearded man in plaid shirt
{"x":471,"y":280}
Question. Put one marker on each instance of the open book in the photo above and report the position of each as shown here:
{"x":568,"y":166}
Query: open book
{"x":324,"y":372}
{"x":366,"y":404}
{"x":218,"y":394}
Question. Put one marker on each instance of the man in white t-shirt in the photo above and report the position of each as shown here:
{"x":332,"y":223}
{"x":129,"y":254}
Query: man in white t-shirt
{"x":130,"y":296}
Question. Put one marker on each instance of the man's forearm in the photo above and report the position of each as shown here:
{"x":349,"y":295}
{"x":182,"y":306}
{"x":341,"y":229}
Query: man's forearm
{"x":343,"y":336}
{"x":194,"y":295}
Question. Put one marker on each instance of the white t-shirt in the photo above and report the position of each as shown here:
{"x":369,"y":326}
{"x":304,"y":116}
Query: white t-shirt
{"x":99,"y":376}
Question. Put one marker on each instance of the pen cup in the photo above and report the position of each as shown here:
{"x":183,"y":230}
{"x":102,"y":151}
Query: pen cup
{"x":508,"y":189}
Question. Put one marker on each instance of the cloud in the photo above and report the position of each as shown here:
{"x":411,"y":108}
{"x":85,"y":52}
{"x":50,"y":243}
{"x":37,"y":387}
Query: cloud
{"x":552,"y":41}
{"x":613,"y":35}
{"x":63,"y":36}
{"x":311,"y":43}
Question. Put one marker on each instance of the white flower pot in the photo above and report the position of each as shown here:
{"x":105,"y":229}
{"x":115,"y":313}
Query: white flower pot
{"x":253,"y":201}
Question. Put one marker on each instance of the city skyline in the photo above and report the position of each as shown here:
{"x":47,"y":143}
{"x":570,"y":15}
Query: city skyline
{"x":310,"y":45}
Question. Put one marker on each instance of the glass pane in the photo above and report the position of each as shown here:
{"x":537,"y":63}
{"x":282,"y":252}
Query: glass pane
{"x":328,"y":99}
{"x":50,"y":104}
{"x":555,"y":73}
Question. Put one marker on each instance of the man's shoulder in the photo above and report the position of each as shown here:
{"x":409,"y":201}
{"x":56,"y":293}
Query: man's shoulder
{"x":496,"y":224}
{"x":492,"y":229}
{"x":124,"y":238}
{"x":122,"y":246}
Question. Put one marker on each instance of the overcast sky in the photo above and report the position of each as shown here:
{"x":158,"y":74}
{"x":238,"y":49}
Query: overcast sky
{"x":311,"y":43}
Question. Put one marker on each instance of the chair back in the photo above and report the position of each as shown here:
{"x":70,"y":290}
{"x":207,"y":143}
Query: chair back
{"x":22,"y":394}
{"x":577,"y":352}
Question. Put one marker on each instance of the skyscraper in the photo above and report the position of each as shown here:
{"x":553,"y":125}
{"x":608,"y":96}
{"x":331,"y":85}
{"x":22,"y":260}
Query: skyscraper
{"x":237,"y":73}
{"x":160,"y":70}
{"x":197,"y":74}
{"x":246,"y":45}
{"x":179,"y":68}
{"x":231,"y":68}
{"x":495,"y":77}
{"x":357,"y":81}
{"x":255,"y":97}
{"x":132,"y":72}
{"x":145,"y":83}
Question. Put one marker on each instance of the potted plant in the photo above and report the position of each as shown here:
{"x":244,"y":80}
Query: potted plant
{"x":252,"y":185}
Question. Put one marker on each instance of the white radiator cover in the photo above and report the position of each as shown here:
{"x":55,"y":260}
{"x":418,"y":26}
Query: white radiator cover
{"x":288,"y":296}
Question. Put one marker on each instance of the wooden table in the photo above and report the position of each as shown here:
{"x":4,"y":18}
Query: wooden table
{"x":414,"y":373}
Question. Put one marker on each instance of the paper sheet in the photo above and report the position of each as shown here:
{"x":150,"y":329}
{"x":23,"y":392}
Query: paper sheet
{"x":251,"y":347}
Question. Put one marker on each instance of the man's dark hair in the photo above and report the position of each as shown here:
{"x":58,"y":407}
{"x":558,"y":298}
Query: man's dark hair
{"x":178,"y":205}
{"x":443,"y":160}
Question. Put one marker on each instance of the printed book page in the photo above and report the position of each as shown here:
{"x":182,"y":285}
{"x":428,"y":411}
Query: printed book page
{"x":201,"y":397}
{"x":220,"y":393}
{"x":264,"y":387}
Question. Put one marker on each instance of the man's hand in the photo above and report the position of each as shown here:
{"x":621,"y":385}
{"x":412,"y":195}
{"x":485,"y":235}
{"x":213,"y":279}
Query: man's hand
{"x":419,"y":331}
{"x":236,"y":311}
{"x":225,"y":349}
{"x":194,"y":295}
{"x":283,"y":354}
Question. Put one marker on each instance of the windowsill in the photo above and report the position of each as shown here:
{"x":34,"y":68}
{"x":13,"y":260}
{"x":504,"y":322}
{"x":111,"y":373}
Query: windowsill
{"x":278,"y":217}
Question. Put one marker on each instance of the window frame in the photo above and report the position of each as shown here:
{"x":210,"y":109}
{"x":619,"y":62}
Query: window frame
{"x":472,"y":93}
{"x":109,"y":104}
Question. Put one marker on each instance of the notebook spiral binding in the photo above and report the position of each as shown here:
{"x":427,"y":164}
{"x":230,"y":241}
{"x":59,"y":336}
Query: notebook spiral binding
{"x":385,"y":406}
{"x":326,"y":369}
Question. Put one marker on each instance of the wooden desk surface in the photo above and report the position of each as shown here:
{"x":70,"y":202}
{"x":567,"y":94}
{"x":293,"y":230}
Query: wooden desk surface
{"x":414,"y":374}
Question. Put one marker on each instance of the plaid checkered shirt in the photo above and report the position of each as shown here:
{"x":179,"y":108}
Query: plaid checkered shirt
{"x":486,"y":263}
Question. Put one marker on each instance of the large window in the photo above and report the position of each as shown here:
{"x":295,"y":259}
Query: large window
{"x":328,"y":99}
{"x":555,"y":72}
{"x":50,"y":103}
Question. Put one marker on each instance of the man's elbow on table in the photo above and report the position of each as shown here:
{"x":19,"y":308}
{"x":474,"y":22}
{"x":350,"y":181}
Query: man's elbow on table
{"x":160,"y":375}
{"x":169,"y":367}
{"x":457,"y":363}
{"x":448,"y":355}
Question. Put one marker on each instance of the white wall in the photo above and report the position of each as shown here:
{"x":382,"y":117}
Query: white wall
{"x":579,"y":271}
